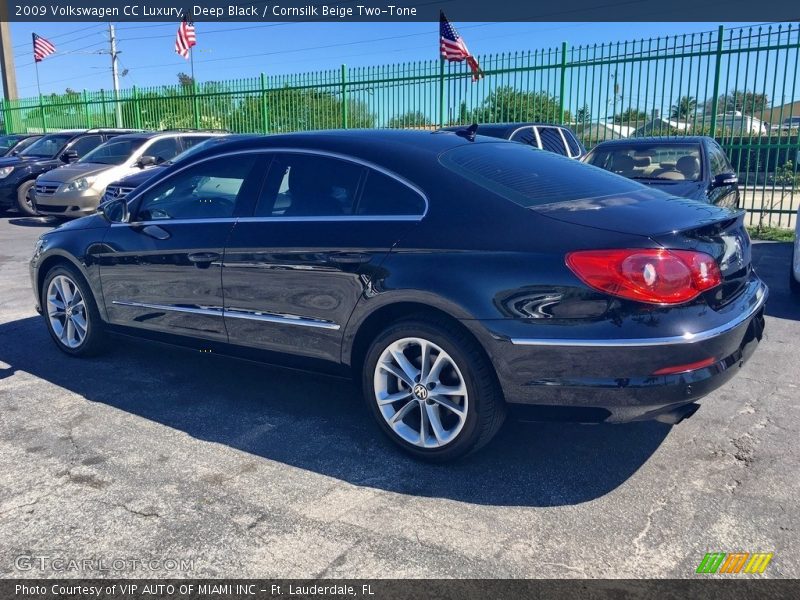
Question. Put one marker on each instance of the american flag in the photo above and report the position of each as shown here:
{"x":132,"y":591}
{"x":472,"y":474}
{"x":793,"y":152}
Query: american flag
{"x":185,"y":38}
{"x":453,"y":48}
{"x":42,"y":48}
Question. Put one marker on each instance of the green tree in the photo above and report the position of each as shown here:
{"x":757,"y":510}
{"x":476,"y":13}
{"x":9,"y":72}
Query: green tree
{"x":631,"y":117}
{"x":748,"y":103}
{"x":583,"y":114}
{"x":684,"y":109}
{"x":506,"y":104}
{"x":412,"y":118}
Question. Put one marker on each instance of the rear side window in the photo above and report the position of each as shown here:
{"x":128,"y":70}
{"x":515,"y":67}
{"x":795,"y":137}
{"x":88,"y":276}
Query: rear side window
{"x":163,"y":150}
{"x":305,"y":185}
{"x":531,"y":178}
{"x":552,"y":140}
{"x":384,"y":195}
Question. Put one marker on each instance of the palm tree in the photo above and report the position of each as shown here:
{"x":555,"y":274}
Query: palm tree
{"x":685,"y":108}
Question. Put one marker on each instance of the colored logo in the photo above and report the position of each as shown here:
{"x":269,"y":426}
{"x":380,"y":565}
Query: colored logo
{"x":735,"y":562}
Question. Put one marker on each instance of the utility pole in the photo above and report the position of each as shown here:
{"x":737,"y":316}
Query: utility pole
{"x":7,"y":58}
{"x":115,"y":72}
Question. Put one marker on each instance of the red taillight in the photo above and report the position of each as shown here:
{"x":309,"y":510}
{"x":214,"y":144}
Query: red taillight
{"x":700,"y":364}
{"x":656,"y":276}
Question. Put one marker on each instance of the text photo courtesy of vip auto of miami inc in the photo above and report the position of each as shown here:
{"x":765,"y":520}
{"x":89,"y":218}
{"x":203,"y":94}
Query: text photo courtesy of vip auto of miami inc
{"x":420,"y":300}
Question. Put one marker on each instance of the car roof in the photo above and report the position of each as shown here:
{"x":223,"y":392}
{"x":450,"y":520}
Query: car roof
{"x":662,"y":140}
{"x":148,"y":135}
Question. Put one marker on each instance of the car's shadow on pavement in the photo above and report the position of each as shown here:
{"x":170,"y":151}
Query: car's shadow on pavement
{"x":771,"y":260}
{"x":22,"y":221}
{"x":320,"y":424}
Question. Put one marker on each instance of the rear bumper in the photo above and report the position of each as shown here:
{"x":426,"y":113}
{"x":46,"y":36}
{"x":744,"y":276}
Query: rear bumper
{"x":615,"y":380}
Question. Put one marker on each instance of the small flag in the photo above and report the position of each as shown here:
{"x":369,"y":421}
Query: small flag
{"x":42,"y":48}
{"x":453,"y":48}
{"x":185,"y":38}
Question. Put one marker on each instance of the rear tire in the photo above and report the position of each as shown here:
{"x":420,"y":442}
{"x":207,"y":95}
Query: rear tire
{"x":25,"y":203}
{"x":70,"y":312}
{"x":405,"y":366}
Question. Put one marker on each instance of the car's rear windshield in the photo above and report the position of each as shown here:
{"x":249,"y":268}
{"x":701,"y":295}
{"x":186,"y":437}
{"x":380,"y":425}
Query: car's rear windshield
{"x":530,"y":177}
{"x":114,"y":152}
{"x":48,"y":146}
{"x":644,"y":160}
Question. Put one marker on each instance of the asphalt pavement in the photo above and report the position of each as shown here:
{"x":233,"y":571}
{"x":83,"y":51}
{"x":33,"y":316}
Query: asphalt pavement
{"x":204,"y":466}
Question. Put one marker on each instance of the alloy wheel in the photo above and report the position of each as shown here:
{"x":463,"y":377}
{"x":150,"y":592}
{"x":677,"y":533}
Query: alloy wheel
{"x":421,"y":392}
{"x":66,"y":311}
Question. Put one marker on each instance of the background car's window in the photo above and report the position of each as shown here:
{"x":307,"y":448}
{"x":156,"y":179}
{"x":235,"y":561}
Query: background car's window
{"x":304,"y":185}
{"x":671,"y":162}
{"x":86,"y":144}
{"x":718,"y":160}
{"x":24,"y":144}
{"x":208,"y":190}
{"x":48,"y":146}
{"x":532,"y":178}
{"x":192,"y":140}
{"x":552,"y":140}
{"x":8,"y":141}
{"x":526,"y":136}
{"x":115,"y":152}
{"x":163,"y":150}
{"x":384,"y":195}
{"x":572,"y":142}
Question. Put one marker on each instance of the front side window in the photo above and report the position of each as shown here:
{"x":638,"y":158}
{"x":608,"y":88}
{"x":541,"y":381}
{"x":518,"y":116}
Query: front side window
{"x":306,"y":185}
{"x":163,"y":150}
{"x":115,"y":152}
{"x":208,"y":190}
{"x":86,"y":144}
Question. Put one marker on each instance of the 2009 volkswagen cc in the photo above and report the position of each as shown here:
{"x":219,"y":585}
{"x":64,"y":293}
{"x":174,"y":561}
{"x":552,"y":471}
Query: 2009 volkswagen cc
{"x":453,"y":275}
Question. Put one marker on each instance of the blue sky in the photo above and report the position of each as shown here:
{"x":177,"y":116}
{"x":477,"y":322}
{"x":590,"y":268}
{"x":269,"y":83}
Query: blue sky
{"x":233,"y":50}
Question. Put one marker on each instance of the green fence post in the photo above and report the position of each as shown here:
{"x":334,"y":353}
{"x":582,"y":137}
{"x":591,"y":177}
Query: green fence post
{"x":561,"y":98}
{"x":103,"y":104}
{"x":715,"y":94}
{"x":86,"y":110}
{"x":441,"y":92}
{"x":344,"y":96}
{"x":137,"y":109}
{"x":195,"y":105}
{"x":264,"y":105}
{"x":41,"y":111}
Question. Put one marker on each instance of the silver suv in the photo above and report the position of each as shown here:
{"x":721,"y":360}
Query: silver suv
{"x":75,"y":190}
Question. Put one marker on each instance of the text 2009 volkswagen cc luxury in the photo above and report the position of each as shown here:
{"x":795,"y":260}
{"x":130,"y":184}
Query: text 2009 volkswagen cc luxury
{"x":454,"y":276}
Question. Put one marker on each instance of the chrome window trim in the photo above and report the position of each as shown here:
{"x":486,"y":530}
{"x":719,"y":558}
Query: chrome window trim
{"x":535,"y":135}
{"x":687,"y":338}
{"x":345,"y":157}
{"x":236,"y":314}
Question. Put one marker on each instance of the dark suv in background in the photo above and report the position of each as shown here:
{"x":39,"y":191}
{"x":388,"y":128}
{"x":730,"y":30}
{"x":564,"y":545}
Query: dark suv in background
{"x":18,"y":173}
{"x":545,"y":136}
{"x":14,"y":143}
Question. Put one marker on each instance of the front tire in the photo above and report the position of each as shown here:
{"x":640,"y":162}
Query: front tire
{"x":70,"y":312}
{"x":25,"y":203}
{"x":432,"y":390}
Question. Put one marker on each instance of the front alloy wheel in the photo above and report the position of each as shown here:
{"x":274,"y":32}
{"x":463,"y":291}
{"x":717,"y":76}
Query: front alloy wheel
{"x":432,"y":389}
{"x":71,"y":312}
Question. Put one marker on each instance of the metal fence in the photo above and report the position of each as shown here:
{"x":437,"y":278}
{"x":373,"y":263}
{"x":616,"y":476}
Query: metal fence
{"x":739,"y":85}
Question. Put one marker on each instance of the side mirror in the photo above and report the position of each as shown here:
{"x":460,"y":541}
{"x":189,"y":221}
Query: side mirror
{"x":724,"y":179}
{"x":146,"y":161}
{"x":70,"y":156}
{"x":115,"y":211}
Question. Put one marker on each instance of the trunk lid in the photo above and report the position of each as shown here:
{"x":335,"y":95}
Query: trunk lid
{"x":676,"y":223}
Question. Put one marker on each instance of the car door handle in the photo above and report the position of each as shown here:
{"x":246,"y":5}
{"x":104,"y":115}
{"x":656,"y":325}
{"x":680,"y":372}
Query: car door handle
{"x":154,"y":231}
{"x":203,"y":258}
{"x":349,"y":258}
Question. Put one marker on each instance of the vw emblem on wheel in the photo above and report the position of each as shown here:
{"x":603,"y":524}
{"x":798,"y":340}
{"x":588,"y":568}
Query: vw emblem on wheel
{"x":421,"y":392}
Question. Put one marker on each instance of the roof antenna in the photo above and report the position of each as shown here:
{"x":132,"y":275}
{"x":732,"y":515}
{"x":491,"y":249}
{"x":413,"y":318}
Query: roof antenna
{"x":469,"y":133}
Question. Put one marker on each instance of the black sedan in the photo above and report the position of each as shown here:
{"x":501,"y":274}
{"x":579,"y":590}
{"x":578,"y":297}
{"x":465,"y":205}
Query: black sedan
{"x":452,"y":277}
{"x":690,"y":167}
